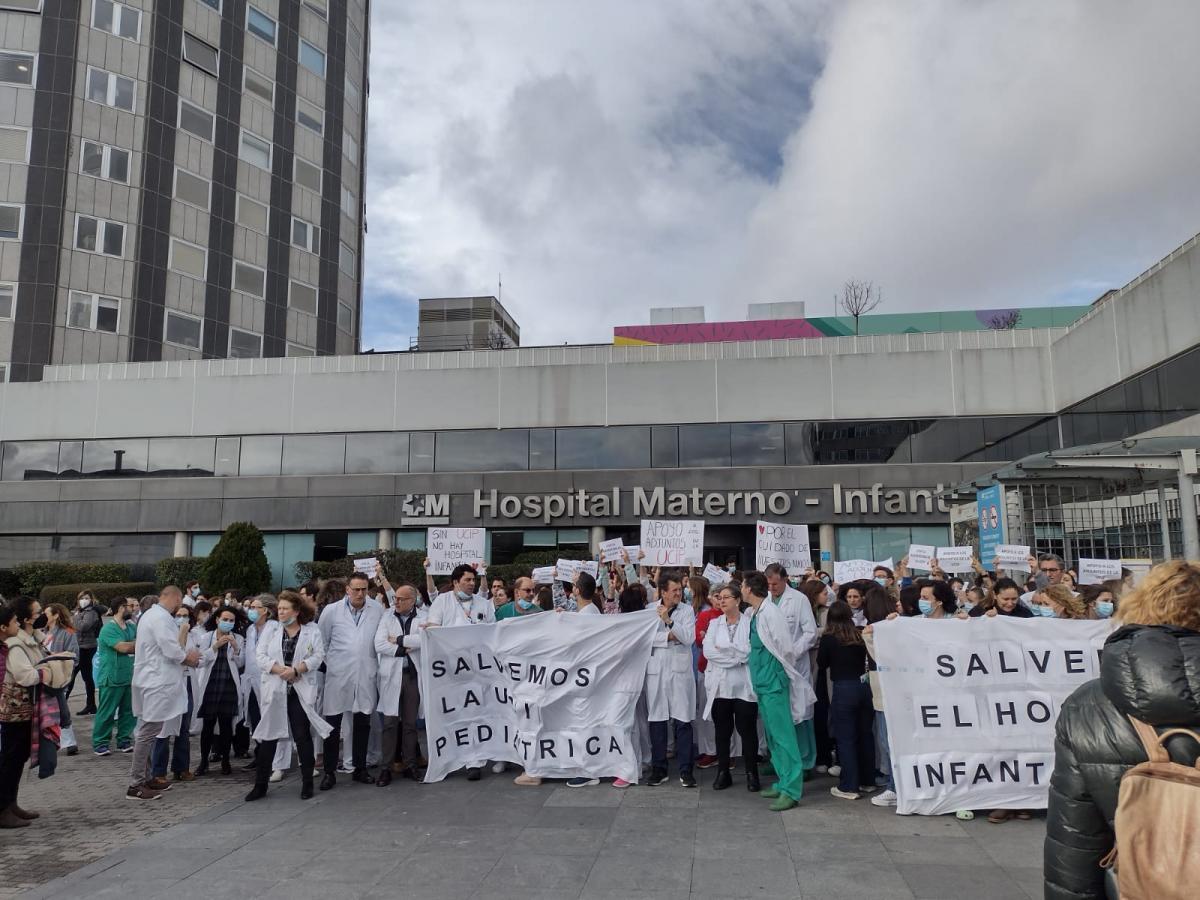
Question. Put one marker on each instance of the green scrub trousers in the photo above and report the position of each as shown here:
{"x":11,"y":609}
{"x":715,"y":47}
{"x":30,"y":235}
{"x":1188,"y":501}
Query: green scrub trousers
{"x":771,"y":684}
{"x":116,"y":701}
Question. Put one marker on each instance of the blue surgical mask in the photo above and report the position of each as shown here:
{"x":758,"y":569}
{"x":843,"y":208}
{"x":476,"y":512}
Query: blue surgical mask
{"x":882,"y":582}
{"x":195,"y":591}
{"x":825,"y":580}
{"x":687,"y":594}
{"x":225,"y":625}
{"x":252,"y":615}
{"x":288,"y":621}
{"x":731,"y":568}
{"x":1046,"y":611}
{"x":1104,"y":609}
{"x":525,"y":604}
{"x":462,"y":595}
{"x":926,"y":606}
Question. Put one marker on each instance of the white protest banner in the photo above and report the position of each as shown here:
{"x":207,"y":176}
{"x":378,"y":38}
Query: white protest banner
{"x":450,"y":547}
{"x":716,"y":576}
{"x":610,"y":551}
{"x":366,"y":565}
{"x":591,"y":567}
{"x":955,"y":559}
{"x":920,"y":556}
{"x":673,"y":542}
{"x":635,"y":553}
{"x":777,"y":542}
{"x":567,"y":569}
{"x":556,"y":695}
{"x":852,"y":570}
{"x":971,"y":706}
{"x":543,"y":575}
{"x":1096,"y":571}
{"x":1012,"y":556}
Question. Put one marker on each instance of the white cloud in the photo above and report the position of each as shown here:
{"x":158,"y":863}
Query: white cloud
{"x":611,"y":157}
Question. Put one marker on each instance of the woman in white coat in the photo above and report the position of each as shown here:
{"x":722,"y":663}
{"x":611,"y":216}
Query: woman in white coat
{"x":730,"y":696}
{"x":219,"y":683}
{"x":288,"y":653}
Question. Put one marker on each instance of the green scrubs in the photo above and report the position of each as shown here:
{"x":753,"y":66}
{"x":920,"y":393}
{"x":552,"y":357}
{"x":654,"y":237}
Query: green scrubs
{"x":771,"y":684}
{"x":114,"y":686}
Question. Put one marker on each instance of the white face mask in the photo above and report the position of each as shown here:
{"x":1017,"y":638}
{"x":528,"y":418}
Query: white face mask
{"x":85,"y":602}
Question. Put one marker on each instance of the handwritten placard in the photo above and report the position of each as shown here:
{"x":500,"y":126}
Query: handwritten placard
{"x":1097,"y":571}
{"x":920,"y":556}
{"x":955,"y":559}
{"x":366,"y":565}
{"x":543,"y":575}
{"x":610,"y":551}
{"x":567,"y":569}
{"x":779,"y":542}
{"x":716,"y":576}
{"x":449,"y":547}
{"x":673,"y":542}
{"x":1013,"y":556}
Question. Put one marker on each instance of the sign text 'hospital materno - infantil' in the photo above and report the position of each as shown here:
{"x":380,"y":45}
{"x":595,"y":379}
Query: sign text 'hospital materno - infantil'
{"x":658,"y":502}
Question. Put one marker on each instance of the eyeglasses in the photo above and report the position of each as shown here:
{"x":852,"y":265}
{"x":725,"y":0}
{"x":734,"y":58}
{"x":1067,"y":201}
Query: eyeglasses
{"x":356,"y":590}
{"x":1050,"y":569}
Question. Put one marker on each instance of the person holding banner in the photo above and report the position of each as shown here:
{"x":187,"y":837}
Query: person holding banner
{"x":730,"y":699}
{"x":802,"y":624}
{"x":396,"y":636}
{"x":938,"y":601}
{"x":288,"y":652}
{"x":670,"y":685}
{"x":785,"y":696}
{"x":843,"y":655}
{"x":1004,"y":600}
{"x":1058,"y":601}
{"x":348,"y":633}
{"x":1148,"y":683}
{"x":462,"y":606}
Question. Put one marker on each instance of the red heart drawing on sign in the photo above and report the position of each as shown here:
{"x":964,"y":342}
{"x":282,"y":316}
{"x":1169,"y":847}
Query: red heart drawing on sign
{"x":761,"y":529}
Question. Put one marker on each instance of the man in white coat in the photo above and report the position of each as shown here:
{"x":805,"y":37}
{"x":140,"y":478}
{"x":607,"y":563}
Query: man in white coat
{"x":348,"y":631}
{"x":462,"y":606}
{"x":399,"y":634}
{"x":670,"y":684}
{"x":159,"y":689}
{"x":802,"y":624}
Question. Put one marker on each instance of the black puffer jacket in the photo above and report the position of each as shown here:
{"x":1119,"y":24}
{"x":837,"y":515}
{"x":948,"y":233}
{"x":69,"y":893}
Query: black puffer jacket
{"x":1151,"y":672}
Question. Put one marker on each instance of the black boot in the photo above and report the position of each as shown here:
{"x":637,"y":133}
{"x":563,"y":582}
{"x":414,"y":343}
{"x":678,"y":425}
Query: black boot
{"x":723,"y":780}
{"x":752,"y":783}
{"x":202,"y":769}
{"x":328,"y":781}
{"x":257,"y":792}
{"x":226,"y":768}
{"x":306,"y":787}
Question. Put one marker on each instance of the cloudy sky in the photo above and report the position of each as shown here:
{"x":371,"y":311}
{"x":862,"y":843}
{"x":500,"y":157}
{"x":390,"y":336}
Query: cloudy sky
{"x":610,"y":157}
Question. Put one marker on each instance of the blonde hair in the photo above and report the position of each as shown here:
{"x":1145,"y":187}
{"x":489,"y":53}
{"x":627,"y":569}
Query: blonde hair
{"x":1169,"y":595}
{"x":1073,"y":607}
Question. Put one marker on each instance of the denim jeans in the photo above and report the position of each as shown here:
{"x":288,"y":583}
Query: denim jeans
{"x":852,"y":716}
{"x":683,"y":745}
{"x":882,"y":733}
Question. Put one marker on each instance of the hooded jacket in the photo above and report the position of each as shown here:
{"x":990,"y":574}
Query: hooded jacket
{"x":1152,"y":673}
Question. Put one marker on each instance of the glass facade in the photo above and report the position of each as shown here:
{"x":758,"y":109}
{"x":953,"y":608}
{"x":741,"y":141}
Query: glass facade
{"x":1160,"y":396}
{"x":878,"y":543}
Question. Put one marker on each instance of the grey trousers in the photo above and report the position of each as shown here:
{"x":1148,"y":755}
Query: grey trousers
{"x":404,"y":724}
{"x":143,"y":745}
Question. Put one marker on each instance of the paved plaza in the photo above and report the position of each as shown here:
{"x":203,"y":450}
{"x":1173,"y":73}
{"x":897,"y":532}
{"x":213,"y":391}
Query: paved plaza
{"x":492,"y":839}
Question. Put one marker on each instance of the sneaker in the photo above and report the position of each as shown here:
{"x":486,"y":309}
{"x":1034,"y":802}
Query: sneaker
{"x":964,"y":815}
{"x":887,"y":798}
{"x":276,"y":776}
{"x":867,"y":789}
{"x":159,"y":783}
{"x":582,"y":782}
{"x":843,"y":795}
{"x":657,"y":777}
{"x":622,"y":783}
{"x":498,"y":767}
{"x":835,"y":771}
{"x":141,"y":793}
{"x":101,"y":750}
{"x":527,"y":780}
{"x":185,"y":775}
{"x":124,"y":748}
{"x":72,"y":751}
{"x":705,"y":761}
{"x":344,"y":769}
{"x":687,"y":779}
{"x":822,"y":770}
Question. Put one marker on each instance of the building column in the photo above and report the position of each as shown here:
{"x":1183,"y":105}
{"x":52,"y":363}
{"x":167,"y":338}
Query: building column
{"x":182,"y":545}
{"x":386,"y":539}
{"x":1187,"y":505}
{"x":828,"y":542}
{"x":1164,"y":522}
{"x":595,"y":539}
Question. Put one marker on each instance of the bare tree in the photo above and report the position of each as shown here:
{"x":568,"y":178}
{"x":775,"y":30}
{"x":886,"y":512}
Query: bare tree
{"x":858,"y":298}
{"x":1005,"y":321}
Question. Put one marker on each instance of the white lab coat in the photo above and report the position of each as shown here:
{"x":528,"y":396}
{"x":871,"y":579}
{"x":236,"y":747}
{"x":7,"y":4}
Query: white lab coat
{"x":272,"y":690}
{"x":350,"y":663}
{"x":728,"y":672}
{"x":447,"y":609}
{"x":209,"y":658}
{"x":776,"y":637}
{"x":670,"y":683}
{"x":802,"y":625}
{"x":589,"y":610}
{"x":159,"y":689}
{"x":391,"y":666}
{"x":251,"y":679}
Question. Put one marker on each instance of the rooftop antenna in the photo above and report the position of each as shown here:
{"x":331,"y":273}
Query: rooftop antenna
{"x":499,"y":287}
